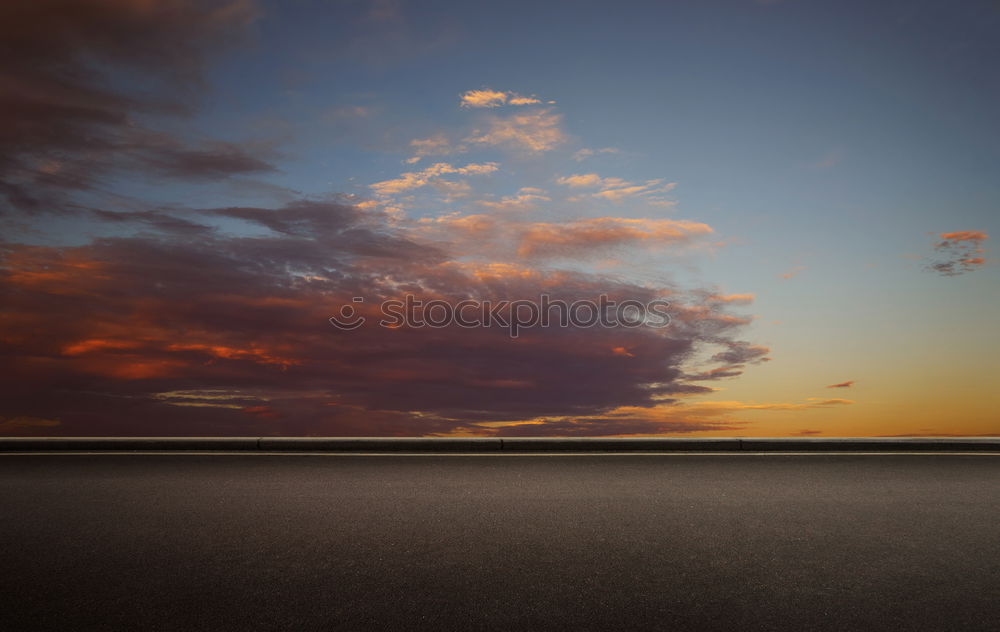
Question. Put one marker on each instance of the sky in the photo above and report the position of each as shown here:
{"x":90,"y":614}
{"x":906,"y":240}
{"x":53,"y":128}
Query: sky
{"x":190,"y":190}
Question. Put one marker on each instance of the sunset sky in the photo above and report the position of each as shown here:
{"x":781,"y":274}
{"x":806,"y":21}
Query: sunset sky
{"x":189,"y":190}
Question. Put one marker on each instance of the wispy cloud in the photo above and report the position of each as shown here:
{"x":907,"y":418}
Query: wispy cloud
{"x":742,"y":299}
{"x":416,"y":179}
{"x":792,"y":272}
{"x":616,"y":189}
{"x":509,"y":238}
{"x":529,"y":132}
{"x":489,"y":98}
{"x":27,"y":425}
{"x":583,"y":154}
{"x":527,"y":198}
{"x":847,"y":384}
{"x":590,"y":235}
{"x":675,"y":417}
{"x":959,"y":252}
{"x":437,"y":145}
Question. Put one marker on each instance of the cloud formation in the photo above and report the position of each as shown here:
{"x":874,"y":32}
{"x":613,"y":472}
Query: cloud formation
{"x":847,"y":384}
{"x":590,"y":235}
{"x":582,"y":154}
{"x":74,"y":124}
{"x":959,"y":252}
{"x":416,"y":179}
{"x":679,"y":417}
{"x":527,"y":132}
{"x":489,"y":98}
{"x":214,"y":320}
{"x":234,"y":330}
{"x":616,"y":189}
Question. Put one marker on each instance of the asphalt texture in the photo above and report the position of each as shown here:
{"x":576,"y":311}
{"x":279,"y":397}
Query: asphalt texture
{"x":499,"y":542}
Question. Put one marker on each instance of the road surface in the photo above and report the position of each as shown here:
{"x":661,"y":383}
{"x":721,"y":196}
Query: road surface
{"x":499,"y":542}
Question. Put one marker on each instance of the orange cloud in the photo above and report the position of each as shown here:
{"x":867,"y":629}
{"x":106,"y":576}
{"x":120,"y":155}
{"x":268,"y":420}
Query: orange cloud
{"x":965,"y":235}
{"x":616,"y":189}
{"x":526,"y":199}
{"x":545,"y":239}
{"x":488,"y":98}
{"x":416,"y":179}
{"x":741,"y":299}
{"x":485,"y":98}
{"x":662,"y":419}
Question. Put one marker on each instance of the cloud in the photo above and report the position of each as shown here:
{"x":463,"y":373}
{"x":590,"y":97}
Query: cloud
{"x":215,"y":321}
{"x":211,"y":160}
{"x":718,"y":373}
{"x":792,"y":272}
{"x":741,"y":353}
{"x":975,"y":236}
{"x":742,"y":299}
{"x":847,"y":384}
{"x":617,"y":194}
{"x":611,"y":427}
{"x":416,"y":179}
{"x":233,"y":330}
{"x":68,"y":124}
{"x":958,"y":253}
{"x":583,"y":154}
{"x":437,"y":145}
{"x":615,"y":189}
{"x":25,"y":425}
{"x":488,"y":98}
{"x":516,"y":100}
{"x":485,"y":98}
{"x":584,"y":180}
{"x":527,"y":198}
{"x":676,"y":417}
{"x":509,"y":238}
{"x":542,"y":239}
{"x":529,"y":132}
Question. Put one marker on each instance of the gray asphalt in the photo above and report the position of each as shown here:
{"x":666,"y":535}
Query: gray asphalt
{"x":499,"y":542}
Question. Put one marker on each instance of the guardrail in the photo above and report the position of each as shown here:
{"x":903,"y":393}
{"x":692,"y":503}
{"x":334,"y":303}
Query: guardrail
{"x":494,"y":444}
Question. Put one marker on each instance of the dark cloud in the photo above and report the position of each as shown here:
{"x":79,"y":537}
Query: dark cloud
{"x":159,"y":221}
{"x":740,"y":352}
{"x":209,"y":161}
{"x":81,"y":79}
{"x":183,"y":329}
{"x":847,"y":384}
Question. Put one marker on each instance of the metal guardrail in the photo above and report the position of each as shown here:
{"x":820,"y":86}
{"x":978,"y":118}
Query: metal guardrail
{"x":494,"y":444}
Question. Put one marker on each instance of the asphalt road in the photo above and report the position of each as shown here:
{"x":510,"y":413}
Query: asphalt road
{"x":499,"y":542}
